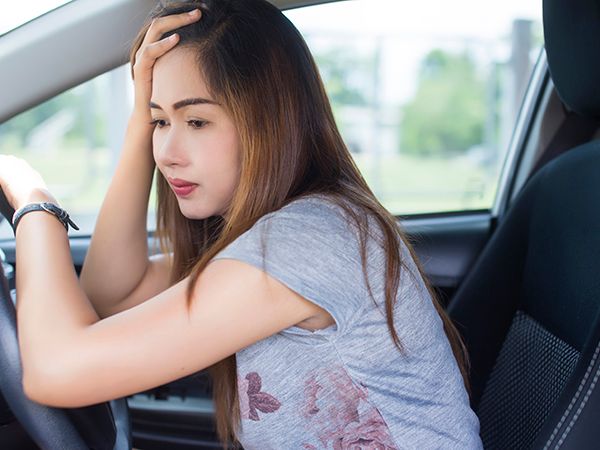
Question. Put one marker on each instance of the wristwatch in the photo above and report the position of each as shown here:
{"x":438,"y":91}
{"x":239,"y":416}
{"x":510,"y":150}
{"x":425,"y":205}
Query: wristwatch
{"x":51,"y":208}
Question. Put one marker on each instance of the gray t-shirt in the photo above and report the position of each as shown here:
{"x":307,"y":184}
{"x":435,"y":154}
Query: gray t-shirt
{"x":346,"y":386}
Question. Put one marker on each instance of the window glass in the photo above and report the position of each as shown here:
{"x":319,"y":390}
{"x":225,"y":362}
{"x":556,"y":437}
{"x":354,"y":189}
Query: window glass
{"x":17,"y":13}
{"x":74,"y":141}
{"x":425,"y":93}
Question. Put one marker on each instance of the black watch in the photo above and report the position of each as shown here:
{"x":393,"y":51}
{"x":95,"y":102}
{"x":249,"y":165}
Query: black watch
{"x":51,"y":208}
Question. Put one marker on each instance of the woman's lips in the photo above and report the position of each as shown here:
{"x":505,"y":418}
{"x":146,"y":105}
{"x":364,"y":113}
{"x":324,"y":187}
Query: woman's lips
{"x":184,"y":191}
{"x":182,"y":188}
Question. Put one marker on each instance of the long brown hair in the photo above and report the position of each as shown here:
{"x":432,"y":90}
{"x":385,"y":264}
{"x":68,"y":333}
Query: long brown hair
{"x":257,"y":65}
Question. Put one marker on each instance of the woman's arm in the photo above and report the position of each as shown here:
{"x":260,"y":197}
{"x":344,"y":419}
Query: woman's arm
{"x":71,"y":358}
{"x":119,"y":247}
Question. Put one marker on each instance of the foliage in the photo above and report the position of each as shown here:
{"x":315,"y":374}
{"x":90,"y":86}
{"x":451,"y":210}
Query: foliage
{"x":447,"y":114}
{"x":343,"y":73}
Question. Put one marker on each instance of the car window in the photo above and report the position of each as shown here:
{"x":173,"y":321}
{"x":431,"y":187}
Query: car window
{"x":19,"y":13}
{"x":74,"y":141}
{"x":425,"y":95}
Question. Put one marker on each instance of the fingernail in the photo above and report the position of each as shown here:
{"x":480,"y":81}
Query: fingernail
{"x":173,"y":37}
{"x":194,"y":12}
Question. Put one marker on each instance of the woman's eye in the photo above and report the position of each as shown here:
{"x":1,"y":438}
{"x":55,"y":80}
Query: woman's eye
{"x":159,"y":123}
{"x":197,"y":123}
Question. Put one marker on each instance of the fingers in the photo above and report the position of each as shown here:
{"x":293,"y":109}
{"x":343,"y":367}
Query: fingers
{"x":145,"y":60}
{"x":157,"y":49}
{"x":153,"y":47}
{"x":161,"y":25}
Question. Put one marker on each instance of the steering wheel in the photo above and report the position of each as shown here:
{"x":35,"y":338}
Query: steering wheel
{"x":101,"y":426}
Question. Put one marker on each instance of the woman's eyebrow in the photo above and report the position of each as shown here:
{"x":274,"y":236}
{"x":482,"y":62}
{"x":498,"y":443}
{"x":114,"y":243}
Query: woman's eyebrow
{"x":187,"y":102}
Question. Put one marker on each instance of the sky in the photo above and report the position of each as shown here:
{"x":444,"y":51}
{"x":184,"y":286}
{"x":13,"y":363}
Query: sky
{"x":482,"y":18}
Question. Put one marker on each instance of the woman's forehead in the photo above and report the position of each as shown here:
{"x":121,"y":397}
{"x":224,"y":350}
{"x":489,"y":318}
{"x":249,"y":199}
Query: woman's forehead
{"x":177,"y":78}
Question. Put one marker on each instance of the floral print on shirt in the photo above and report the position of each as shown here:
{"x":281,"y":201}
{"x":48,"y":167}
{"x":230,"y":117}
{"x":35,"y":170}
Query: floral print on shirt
{"x":252,"y":399}
{"x":334,"y":408}
{"x":340,"y":415}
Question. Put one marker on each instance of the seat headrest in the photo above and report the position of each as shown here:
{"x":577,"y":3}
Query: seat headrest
{"x":572,"y":40}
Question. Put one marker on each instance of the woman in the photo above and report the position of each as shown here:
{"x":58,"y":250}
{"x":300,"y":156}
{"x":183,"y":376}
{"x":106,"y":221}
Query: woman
{"x":280,"y":270}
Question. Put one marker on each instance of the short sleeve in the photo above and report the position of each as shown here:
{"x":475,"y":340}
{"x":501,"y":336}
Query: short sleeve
{"x":309,"y":246}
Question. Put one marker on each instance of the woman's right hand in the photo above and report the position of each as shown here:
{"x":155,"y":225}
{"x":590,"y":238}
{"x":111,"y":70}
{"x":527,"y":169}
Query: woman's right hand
{"x":150,"y":50}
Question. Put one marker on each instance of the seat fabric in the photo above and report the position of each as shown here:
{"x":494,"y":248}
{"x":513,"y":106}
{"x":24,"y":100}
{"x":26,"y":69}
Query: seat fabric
{"x":530,"y":305}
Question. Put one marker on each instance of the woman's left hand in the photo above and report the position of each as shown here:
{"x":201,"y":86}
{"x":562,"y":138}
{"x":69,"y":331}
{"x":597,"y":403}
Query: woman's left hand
{"x":21,"y":183}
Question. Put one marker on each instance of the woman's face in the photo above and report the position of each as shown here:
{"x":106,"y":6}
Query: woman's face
{"x":195,"y":143}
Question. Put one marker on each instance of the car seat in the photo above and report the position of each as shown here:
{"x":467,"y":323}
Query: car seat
{"x":529,"y":308}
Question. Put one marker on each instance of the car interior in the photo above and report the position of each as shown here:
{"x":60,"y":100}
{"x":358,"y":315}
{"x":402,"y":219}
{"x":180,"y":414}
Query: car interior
{"x":520,"y":280}
{"x":528,"y":308}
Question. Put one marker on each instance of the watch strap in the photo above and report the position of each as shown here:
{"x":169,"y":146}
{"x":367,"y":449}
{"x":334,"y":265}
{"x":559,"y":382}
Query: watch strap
{"x":51,"y":208}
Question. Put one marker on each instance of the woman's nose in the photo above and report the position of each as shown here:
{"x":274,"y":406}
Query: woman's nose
{"x":171,"y":150}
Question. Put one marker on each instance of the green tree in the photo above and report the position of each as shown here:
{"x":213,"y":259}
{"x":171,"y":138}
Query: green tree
{"x":447,"y":114}
{"x":345,"y":74}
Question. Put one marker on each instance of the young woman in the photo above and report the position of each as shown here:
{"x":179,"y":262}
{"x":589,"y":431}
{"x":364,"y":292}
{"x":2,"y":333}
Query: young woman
{"x":280,"y":270}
